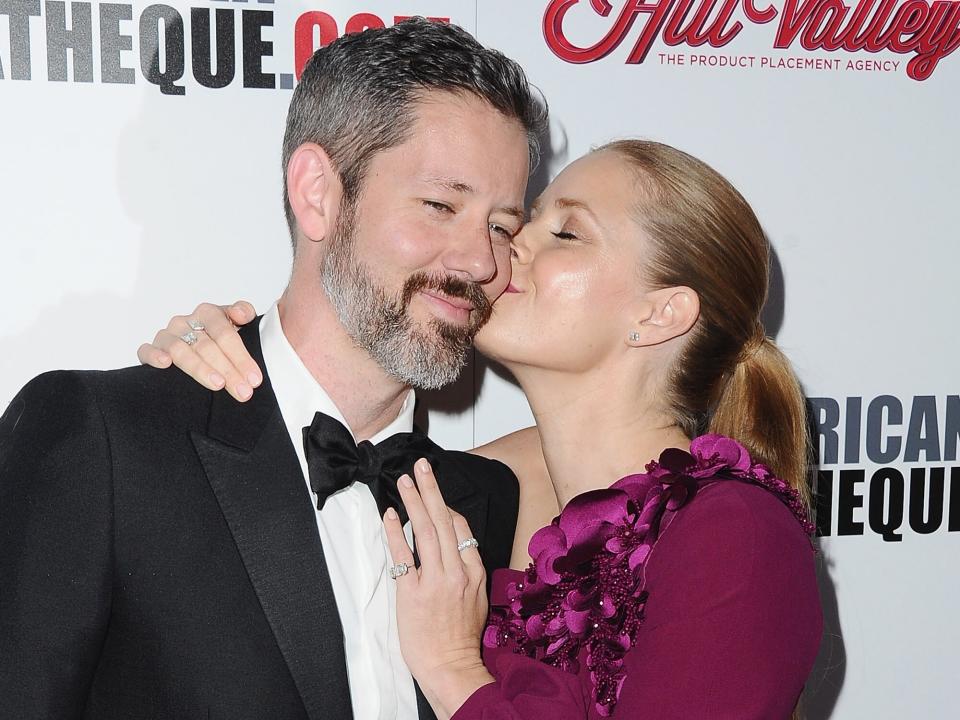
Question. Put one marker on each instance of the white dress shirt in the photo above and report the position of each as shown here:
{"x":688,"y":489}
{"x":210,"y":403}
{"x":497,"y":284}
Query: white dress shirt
{"x":354,"y":543}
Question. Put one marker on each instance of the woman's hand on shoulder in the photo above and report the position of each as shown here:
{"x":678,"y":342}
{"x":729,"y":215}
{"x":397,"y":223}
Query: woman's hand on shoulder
{"x":206,"y":346}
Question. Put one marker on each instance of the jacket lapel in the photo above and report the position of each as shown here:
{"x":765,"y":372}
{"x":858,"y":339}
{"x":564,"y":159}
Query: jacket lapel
{"x":259,"y":485}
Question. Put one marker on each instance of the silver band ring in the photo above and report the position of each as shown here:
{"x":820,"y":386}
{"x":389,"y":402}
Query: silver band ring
{"x":468,"y":543}
{"x":397,"y":570}
{"x":190,"y":338}
{"x":196,"y":325}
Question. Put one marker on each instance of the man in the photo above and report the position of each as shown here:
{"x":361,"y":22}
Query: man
{"x":168,"y":552}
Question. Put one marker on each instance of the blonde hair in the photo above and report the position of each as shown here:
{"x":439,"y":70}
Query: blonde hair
{"x":729,"y":378}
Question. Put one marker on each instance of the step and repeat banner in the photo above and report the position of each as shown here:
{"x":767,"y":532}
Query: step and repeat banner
{"x":140,"y":150}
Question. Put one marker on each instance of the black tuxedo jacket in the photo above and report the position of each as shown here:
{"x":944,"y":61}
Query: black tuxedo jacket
{"x":159,"y":556}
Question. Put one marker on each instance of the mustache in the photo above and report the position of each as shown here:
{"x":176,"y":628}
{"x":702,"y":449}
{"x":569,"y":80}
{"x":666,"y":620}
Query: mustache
{"x":452,"y":287}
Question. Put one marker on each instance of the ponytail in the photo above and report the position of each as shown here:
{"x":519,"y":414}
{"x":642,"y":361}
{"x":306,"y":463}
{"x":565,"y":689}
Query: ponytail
{"x":762,"y":405}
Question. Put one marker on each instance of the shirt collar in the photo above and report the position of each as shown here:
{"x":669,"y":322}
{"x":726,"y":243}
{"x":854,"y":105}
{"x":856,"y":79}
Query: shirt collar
{"x":299,"y":395}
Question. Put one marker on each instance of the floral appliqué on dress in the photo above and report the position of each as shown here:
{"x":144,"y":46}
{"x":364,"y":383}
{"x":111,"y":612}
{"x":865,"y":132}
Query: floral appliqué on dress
{"x":584,"y":588}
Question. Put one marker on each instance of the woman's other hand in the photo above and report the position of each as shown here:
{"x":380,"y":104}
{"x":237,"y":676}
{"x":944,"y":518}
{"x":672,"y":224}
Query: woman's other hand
{"x":442,"y":605}
{"x":218,"y":357}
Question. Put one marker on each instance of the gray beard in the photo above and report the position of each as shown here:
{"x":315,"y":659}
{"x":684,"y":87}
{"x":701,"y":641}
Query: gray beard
{"x":381,"y":324}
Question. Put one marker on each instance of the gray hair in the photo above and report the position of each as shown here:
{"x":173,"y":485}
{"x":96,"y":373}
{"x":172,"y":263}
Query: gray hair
{"x":355,"y":96}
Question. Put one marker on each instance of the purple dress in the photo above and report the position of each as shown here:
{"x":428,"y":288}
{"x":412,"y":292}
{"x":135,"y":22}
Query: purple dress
{"x":687,"y":592}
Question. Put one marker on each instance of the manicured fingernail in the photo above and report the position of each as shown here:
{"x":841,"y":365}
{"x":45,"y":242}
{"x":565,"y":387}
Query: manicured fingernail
{"x":216,"y":379}
{"x":392,"y":514}
{"x":254,"y":379}
{"x":244,"y":391}
{"x":406,"y":481}
{"x":423,"y":466}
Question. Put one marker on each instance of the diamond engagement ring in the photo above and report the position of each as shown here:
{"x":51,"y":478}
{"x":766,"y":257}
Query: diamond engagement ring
{"x":468,"y":543}
{"x":196,"y":325}
{"x":397,"y":570}
{"x":190,"y":338}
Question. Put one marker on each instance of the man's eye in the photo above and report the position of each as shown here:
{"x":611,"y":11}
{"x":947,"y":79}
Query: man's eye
{"x":438,"y":206}
{"x":501,"y":231}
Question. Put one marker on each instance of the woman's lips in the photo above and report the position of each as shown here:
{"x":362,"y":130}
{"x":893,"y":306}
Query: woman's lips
{"x":511,"y":288}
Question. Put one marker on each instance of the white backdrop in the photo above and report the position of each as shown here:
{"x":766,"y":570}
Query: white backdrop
{"x":124,"y":201}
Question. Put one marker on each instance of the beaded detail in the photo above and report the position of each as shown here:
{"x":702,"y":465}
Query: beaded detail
{"x":584,"y":589}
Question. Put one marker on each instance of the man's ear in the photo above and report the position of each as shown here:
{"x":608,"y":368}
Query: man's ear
{"x":314,"y":190}
{"x":666,"y":314}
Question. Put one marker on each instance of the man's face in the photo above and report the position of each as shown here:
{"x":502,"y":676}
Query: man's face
{"x":417,"y":262}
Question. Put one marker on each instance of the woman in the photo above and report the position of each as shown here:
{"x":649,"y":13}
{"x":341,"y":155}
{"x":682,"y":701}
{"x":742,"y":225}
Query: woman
{"x":686,"y":587}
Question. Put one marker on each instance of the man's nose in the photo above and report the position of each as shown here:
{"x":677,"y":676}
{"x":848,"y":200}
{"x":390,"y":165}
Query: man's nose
{"x":471,"y":257}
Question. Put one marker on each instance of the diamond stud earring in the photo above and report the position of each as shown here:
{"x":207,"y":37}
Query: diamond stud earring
{"x":634,"y":336}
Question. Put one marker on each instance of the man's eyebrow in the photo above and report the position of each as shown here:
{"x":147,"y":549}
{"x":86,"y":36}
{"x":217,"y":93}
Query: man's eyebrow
{"x":448,"y":183}
{"x":514,"y":212}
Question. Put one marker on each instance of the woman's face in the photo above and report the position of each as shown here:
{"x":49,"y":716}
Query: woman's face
{"x":576,"y":283}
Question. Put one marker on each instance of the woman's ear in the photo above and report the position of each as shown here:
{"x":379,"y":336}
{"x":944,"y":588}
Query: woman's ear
{"x":313,"y":187}
{"x":667,"y":313}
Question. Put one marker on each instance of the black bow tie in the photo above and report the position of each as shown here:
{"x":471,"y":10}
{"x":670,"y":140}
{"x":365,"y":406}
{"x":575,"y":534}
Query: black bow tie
{"x":335,"y":461}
